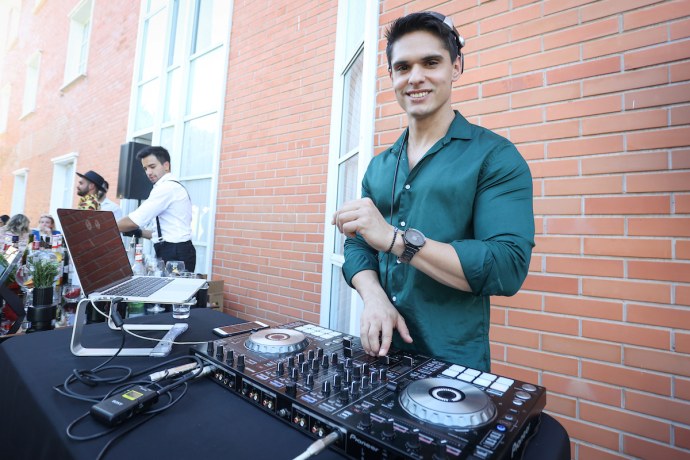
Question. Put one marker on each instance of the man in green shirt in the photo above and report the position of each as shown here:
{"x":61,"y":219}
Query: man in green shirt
{"x":445,"y":218}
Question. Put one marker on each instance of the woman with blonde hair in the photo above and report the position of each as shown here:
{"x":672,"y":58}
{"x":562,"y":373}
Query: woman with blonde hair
{"x":18,"y":225}
{"x":45,"y":230}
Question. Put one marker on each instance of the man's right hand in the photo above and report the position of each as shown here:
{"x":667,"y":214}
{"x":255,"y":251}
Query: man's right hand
{"x":379,"y":316}
{"x":136,"y":233}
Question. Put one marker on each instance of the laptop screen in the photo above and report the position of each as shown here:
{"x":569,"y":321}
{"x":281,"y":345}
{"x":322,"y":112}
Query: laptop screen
{"x":96,"y":248}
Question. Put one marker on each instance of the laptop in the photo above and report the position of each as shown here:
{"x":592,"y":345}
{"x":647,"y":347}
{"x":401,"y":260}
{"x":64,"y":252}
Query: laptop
{"x":14,"y":312}
{"x":101,"y":261}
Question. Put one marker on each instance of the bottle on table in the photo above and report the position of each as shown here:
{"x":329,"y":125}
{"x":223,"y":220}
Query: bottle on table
{"x":138,"y":267}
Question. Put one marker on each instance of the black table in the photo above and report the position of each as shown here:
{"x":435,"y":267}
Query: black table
{"x":208,"y":421}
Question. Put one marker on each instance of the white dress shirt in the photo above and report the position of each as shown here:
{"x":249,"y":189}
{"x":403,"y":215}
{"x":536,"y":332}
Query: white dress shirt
{"x":169,"y":202}
{"x":109,"y":205}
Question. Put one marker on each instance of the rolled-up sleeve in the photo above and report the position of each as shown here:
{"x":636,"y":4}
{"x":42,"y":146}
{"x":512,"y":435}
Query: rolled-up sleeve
{"x":496,"y":260}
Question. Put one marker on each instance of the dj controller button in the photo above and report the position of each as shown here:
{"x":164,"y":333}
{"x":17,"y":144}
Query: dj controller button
{"x":509,"y":417}
{"x":487,"y":376}
{"x":482,"y":382}
{"x":473,"y":372}
{"x":465,"y":377}
{"x":500,"y":427}
{"x":523,"y":395}
{"x":482,"y":453}
{"x":505,"y":381}
{"x":457,"y":367}
{"x":518,"y":402}
{"x":450,"y":373}
{"x":529,"y":387}
{"x":500,"y":387}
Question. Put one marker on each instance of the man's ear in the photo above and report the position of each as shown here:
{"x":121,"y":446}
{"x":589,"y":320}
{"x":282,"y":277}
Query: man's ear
{"x":166,"y":166}
{"x":457,"y":69}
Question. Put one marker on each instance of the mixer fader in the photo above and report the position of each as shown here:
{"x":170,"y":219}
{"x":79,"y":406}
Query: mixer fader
{"x":398,"y":406}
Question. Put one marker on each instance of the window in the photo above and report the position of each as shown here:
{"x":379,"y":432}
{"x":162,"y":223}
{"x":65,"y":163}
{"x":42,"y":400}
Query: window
{"x":178,"y":98}
{"x":78,"y":42}
{"x":62,"y":191}
{"x":9,"y":21}
{"x":19,"y":191}
{"x":33,"y":65}
{"x":4,"y":107}
{"x":351,"y":148}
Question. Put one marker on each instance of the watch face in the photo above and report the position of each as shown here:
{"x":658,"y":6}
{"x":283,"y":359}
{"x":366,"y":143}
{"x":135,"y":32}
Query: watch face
{"x":415,"y":237}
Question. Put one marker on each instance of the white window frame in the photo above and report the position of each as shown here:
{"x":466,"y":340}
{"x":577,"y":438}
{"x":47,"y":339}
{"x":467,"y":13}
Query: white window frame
{"x":64,"y":171}
{"x":21,"y":176}
{"x":33,"y":70}
{"x":153,"y":134}
{"x":10,"y":12}
{"x":79,"y":41}
{"x":5,"y":94}
{"x":331,"y":260}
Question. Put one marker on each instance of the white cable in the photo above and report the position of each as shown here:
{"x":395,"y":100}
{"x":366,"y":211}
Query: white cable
{"x":317,"y":446}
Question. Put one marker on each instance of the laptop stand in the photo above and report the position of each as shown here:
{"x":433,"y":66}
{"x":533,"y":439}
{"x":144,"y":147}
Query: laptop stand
{"x":161,"y":349}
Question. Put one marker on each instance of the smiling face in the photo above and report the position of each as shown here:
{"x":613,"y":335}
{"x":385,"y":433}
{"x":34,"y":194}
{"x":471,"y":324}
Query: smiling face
{"x":154,"y":169}
{"x":422,"y":74}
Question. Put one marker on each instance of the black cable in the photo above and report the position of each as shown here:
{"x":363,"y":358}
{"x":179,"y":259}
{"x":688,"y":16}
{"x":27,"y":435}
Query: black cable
{"x":390,"y":218}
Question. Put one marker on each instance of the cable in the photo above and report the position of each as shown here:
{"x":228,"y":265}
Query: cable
{"x":319,"y":445}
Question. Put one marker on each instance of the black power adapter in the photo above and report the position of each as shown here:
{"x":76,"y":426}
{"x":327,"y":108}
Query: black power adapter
{"x":121,"y":406}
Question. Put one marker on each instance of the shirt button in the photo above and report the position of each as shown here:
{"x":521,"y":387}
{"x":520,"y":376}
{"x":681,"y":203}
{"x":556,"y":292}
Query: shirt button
{"x":407,"y":186}
{"x":394,"y":299}
{"x":402,"y":223}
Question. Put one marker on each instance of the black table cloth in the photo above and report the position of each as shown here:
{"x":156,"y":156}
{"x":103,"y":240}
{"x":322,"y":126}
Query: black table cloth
{"x":208,"y":422}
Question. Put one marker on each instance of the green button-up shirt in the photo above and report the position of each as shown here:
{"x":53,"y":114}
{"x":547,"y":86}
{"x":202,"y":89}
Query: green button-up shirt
{"x":473,"y":190}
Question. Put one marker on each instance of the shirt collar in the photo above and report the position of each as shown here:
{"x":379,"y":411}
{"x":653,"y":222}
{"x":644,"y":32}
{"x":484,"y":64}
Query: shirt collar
{"x":459,"y":128}
{"x":166,"y":177}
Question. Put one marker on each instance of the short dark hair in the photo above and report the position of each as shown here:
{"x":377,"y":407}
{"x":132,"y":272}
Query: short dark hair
{"x":428,"y":21}
{"x":159,"y":152}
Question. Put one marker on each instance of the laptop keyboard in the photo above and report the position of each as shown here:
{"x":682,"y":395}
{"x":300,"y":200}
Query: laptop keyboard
{"x":138,"y":287}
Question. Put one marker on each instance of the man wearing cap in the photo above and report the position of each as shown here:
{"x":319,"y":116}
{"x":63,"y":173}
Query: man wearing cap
{"x":88,"y":186}
{"x":107,"y":204}
{"x":168,"y":210}
{"x":445,"y":219}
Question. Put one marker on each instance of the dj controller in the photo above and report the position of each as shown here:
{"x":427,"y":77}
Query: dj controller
{"x":402,"y":405}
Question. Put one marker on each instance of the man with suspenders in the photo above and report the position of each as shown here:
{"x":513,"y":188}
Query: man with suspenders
{"x":169,"y":205}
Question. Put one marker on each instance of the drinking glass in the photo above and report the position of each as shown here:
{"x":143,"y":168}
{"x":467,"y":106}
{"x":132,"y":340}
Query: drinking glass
{"x":25,"y":279}
{"x":174,"y":268}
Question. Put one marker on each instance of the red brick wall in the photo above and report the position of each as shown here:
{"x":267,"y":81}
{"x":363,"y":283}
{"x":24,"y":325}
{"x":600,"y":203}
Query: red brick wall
{"x":596,"y":95}
{"x":88,"y":117}
{"x":271,"y":200}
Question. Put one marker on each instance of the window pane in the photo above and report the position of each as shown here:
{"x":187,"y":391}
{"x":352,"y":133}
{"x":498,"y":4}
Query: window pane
{"x":173,"y":95}
{"x":167,"y":138}
{"x":352,"y":106}
{"x":347,"y":190}
{"x":176,"y":35}
{"x":147,"y":103}
{"x":204,"y":83}
{"x":341,"y":299}
{"x":212,"y":23}
{"x":356,"y":10}
{"x":199,"y":191}
{"x":153,"y":5}
{"x":198,"y":145}
{"x":154,"y":41}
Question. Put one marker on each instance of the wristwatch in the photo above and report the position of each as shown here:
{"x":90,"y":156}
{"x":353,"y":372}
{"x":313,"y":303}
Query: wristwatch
{"x":414,"y":240}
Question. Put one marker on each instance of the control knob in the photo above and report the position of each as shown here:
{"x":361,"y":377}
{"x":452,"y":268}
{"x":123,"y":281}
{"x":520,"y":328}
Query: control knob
{"x":230,"y":358}
{"x":240,"y":362}
{"x":326,"y":387}
{"x":280,"y":368}
{"x":388,"y":430}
